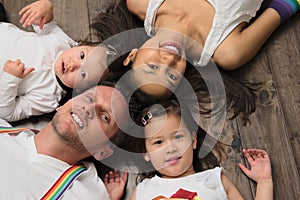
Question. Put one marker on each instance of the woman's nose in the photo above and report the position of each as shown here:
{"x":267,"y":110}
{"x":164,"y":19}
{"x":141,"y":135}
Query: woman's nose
{"x":168,"y":57}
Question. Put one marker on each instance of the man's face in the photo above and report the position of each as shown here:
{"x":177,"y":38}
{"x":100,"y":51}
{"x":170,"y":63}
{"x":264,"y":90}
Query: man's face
{"x":87,"y":121}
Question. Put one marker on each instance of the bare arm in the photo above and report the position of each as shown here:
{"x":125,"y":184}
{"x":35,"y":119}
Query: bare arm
{"x":138,"y":7}
{"x":260,"y":172}
{"x":231,"y":191}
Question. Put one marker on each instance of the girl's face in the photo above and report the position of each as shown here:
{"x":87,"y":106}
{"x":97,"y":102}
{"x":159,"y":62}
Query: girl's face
{"x":81,"y":66}
{"x":169,"y":146}
{"x":159,"y":61}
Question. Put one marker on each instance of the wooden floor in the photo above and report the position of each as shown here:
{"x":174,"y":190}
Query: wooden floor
{"x":275,"y":126}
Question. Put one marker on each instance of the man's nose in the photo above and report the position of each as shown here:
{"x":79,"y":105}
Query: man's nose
{"x":88,"y":110}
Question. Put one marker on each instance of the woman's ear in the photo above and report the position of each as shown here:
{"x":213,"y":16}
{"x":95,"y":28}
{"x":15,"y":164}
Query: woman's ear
{"x":194,"y":137}
{"x":130,"y":57}
{"x":146,"y":157}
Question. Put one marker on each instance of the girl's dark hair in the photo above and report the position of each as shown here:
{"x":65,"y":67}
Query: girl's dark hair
{"x":214,"y":151}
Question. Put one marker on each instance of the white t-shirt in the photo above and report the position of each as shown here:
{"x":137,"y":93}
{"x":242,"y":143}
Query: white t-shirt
{"x":38,"y":92}
{"x":25,"y":174}
{"x":207,"y":184}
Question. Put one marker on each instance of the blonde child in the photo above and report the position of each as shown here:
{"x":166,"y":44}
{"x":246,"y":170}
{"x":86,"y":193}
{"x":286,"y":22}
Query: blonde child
{"x":185,"y":162}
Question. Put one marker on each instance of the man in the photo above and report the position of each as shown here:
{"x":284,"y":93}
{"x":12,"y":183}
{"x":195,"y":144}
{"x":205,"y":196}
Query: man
{"x":83,"y":127}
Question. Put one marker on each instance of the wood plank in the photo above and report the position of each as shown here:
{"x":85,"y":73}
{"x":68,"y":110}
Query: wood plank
{"x":283,"y":56}
{"x":72,"y":16}
{"x":231,"y":137}
{"x":268,"y":128}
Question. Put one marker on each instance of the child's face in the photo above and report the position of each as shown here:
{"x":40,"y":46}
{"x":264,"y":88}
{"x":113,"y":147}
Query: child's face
{"x":169,"y":146}
{"x":81,"y":66}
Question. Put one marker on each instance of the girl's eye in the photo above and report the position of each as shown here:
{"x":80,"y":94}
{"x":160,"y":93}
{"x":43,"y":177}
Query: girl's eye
{"x":152,"y":66}
{"x":177,"y":137}
{"x":83,"y":74}
{"x":158,"y":142}
{"x":82,"y":55}
{"x":171,"y":76}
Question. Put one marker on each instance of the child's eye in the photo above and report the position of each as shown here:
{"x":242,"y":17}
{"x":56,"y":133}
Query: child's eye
{"x":158,"y":142}
{"x":83,"y":74}
{"x":152,"y":66}
{"x":82,"y":55}
{"x":173,"y":77}
{"x":177,"y":137}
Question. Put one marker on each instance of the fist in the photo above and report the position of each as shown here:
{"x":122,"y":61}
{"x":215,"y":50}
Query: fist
{"x":16,"y":68}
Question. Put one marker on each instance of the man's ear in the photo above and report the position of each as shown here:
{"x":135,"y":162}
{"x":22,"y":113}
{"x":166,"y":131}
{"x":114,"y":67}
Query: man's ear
{"x":130,"y":57}
{"x":194,"y":137}
{"x":146,"y":157}
{"x":104,"y":152}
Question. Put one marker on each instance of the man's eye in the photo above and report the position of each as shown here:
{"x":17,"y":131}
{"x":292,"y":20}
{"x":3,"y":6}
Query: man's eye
{"x":174,"y":78}
{"x":83,"y":74}
{"x":90,"y":99}
{"x":82,"y":55}
{"x":152,"y":66}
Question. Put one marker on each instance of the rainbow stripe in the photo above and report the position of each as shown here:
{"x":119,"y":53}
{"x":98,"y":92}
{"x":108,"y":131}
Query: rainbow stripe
{"x":63,"y":182}
{"x":12,"y":129}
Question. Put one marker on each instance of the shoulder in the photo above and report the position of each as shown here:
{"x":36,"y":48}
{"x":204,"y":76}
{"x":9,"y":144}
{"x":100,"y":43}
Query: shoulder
{"x":230,"y":189}
{"x":138,"y":7}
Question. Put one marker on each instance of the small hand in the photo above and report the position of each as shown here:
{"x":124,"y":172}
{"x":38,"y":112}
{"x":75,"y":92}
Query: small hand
{"x":16,"y":68}
{"x":260,"y":165}
{"x":39,"y":12}
{"x":115,"y":184}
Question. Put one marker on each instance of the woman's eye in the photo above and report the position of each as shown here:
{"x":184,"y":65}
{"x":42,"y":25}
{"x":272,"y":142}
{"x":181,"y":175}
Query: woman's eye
{"x":82,"y":74}
{"x":82,"y":55}
{"x":152,"y":66}
{"x":105,"y":117}
{"x":174,"y":78}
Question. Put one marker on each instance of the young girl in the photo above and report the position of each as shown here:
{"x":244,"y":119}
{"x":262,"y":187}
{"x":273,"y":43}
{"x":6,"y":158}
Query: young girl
{"x":37,"y":68}
{"x":185,"y":161}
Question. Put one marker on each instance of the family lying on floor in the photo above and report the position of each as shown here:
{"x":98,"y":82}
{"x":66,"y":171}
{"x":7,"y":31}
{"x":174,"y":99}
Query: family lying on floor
{"x":143,"y":99}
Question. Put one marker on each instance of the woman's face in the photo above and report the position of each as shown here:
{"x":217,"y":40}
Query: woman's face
{"x":158,"y":65}
{"x":81,"y":66}
{"x":169,"y":146}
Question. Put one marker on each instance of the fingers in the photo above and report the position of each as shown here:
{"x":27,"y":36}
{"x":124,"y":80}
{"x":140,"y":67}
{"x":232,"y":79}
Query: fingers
{"x":28,"y":70}
{"x":115,"y":176}
{"x":253,"y":154}
{"x":244,"y":169}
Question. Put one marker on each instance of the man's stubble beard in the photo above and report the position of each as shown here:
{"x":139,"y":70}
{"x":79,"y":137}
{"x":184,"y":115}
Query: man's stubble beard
{"x":70,"y":139}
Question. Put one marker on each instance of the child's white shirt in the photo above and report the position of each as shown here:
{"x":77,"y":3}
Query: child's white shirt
{"x":38,"y":92}
{"x":207,"y":184}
